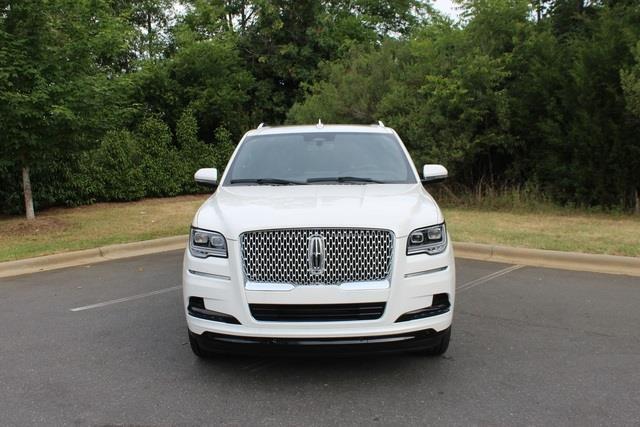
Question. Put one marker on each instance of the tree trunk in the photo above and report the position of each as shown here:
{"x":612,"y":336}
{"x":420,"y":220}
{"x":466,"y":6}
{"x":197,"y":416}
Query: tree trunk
{"x":28,"y":197}
{"x":149,"y":36}
{"x":637,"y":207}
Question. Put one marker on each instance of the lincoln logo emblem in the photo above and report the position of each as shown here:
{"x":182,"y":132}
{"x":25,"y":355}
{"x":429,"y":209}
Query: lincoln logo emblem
{"x":316,"y":252}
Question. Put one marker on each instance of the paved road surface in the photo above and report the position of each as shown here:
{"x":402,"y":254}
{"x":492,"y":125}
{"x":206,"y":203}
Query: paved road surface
{"x":530,"y":346}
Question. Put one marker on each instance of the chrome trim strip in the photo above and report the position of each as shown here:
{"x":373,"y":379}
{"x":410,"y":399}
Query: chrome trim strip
{"x":210,"y":275}
{"x":422,"y":273}
{"x":266,"y":286}
{"x":365,"y":286}
{"x":347,"y":286}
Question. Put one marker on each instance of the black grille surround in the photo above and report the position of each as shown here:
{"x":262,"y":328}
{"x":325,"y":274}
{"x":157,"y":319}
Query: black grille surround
{"x":351,"y":255}
{"x":317,"y":312}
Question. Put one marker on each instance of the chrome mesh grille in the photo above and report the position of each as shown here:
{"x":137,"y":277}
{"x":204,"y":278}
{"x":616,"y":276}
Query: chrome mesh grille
{"x":351,"y":255}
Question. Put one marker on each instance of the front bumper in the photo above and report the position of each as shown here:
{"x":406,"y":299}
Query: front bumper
{"x":414,"y":281}
{"x":414,"y":341}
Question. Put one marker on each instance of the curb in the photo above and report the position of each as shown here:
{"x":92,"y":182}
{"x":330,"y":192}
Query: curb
{"x":91,"y":256}
{"x":534,"y":257}
{"x":609,"y":264}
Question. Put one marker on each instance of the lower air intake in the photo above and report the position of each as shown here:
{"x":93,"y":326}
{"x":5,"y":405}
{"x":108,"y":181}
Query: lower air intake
{"x":316,"y":312}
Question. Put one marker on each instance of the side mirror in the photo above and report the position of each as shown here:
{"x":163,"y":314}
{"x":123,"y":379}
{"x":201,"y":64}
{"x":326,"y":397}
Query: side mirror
{"x":434,"y":173}
{"x":207,"y":176}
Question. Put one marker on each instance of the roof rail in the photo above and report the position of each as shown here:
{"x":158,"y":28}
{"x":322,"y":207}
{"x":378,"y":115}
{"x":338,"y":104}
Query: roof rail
{"x":260,"y":126}
{"x":380,"y":123}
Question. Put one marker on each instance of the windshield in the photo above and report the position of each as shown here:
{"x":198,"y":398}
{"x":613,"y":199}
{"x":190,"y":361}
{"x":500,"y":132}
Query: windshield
{"x":320,"y":158}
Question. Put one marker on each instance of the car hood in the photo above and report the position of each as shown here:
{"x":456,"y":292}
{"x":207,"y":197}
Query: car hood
{"x":401,"y":208}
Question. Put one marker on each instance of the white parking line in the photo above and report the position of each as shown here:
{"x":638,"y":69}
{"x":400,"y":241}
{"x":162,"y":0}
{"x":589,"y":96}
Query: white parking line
{"x":488,"y":277}
{"x":116,"y":301}
{"x":464,"y":287}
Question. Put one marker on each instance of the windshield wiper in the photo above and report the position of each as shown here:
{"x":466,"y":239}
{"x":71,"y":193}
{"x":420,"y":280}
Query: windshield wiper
{"x":266,"y":181}
{"x":345,"y":179}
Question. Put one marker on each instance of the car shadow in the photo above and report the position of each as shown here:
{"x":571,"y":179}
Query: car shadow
{"x":329,"y":369}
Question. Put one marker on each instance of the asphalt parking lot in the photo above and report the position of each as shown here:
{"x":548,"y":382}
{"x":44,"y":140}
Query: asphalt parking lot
{"x":107,"y":345}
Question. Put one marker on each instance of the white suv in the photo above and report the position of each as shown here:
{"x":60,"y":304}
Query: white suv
{"x":319,"y":238}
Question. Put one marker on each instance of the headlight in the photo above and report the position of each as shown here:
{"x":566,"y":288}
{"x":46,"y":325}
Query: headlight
{"x":428,"y":240}
{"x":203,"y":243}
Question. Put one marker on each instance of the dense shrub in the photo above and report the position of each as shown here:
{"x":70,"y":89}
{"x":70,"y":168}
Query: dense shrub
{"x":10,"y":189}
{"x":223,"y":149}
{"x":117,"y":168}
{"x":194,"y":154}
{"x":125,"y":166}
{"x":159,"y":162}
{"x":60,"y":180}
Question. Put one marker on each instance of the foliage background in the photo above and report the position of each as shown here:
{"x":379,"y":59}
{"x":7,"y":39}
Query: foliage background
{"x":121,"y":99}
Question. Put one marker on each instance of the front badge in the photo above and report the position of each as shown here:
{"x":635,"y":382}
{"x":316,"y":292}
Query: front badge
{"x":316,"y":254}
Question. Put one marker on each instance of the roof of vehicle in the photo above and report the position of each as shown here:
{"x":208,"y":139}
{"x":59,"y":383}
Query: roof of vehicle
{"x":268,"y":130}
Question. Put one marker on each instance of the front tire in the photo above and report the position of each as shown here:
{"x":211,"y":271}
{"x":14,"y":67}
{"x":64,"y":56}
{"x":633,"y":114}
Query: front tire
{"x":195,"y":347}
{"x":440,"y":348}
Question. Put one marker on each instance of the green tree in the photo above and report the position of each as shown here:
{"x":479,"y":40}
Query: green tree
{"x":152,"y":19}
{"x":204,"y":76}
{"x":282,"y":42}
{"x":509,"y":99}
{"x":352,"y":88}
{"x":53,"y":84}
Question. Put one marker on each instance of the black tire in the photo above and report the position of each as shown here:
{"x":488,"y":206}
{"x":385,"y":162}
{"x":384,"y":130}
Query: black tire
{"x":195,"y":347}
{"x":441,"y":347}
